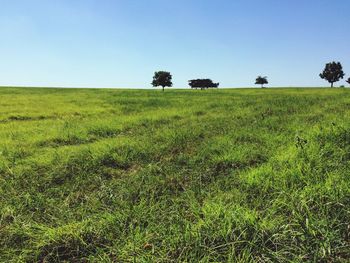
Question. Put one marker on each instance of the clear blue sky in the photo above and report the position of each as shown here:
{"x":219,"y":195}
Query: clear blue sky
{"x":120,"y":43}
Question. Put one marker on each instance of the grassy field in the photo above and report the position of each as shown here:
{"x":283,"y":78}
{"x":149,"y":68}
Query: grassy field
{"x":240,"y":175}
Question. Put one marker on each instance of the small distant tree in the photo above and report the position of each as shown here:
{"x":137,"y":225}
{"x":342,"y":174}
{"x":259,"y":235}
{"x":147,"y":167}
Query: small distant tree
{"x":261,"y":81}
{"x":332,"y":72}
{"x":162,"y":78}
{"x":348,"y":80}
{"x":202,"y":84}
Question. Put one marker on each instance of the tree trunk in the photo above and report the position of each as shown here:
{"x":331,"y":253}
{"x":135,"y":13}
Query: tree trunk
{"x":262,"y":86}
{"x":163,"y":88}
{"x":331,"y":84}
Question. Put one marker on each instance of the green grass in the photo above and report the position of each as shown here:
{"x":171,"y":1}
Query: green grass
{"x":245,"y":175}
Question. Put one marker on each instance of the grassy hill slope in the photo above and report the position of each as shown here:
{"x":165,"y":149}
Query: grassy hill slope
{"x":180,"y":176}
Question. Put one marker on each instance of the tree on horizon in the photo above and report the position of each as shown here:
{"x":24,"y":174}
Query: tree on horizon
{"x":348,"y":80}
{"x":261,"y":81}
{"x":162,"y":78}
{"x":202,"y":84}
{"x":332,"y":72}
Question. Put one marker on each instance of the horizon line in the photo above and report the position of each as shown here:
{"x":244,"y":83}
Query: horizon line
{"x":177,"y":88}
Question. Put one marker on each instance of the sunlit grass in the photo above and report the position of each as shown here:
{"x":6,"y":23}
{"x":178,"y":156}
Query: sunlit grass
{"x":180,"y":176}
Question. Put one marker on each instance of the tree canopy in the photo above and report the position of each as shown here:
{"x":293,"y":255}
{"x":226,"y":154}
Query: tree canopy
{"x":202,"y":84}
{"x":332,"y":72}
{"x":162,"y":78}
{"x":261,"y":81}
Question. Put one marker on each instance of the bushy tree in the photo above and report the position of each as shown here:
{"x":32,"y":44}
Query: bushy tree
{"x":332,"y":72}
{"x":261,"y":81}
{"x":348,"y":80}
{"x":202,"y":84}
{"x":162,"y":78}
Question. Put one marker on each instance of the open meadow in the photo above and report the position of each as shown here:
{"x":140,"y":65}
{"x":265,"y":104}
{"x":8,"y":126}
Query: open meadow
{"x":224,"y":175}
